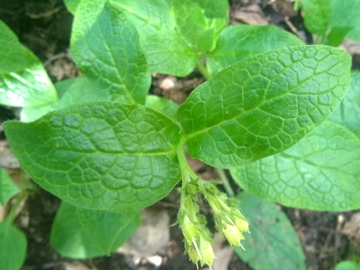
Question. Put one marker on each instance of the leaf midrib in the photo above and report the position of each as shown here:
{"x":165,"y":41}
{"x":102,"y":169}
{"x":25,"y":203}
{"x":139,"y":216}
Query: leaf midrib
{"x":190,"y":135}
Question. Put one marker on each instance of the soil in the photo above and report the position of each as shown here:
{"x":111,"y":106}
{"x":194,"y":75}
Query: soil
{"x":45,"y":27}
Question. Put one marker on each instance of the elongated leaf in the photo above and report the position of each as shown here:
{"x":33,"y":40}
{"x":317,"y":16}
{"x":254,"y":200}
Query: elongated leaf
{"x":167,"y":53}
{"x":108,"y":51}
{"x":264,"y":104}
{"x":238,"y":42}
{"x":162,"y":105}
{"x":12,"y":246}
{"x":346,"y":14}
{"x":102,"y":155}
{"x":23,"y":80}
{"x":200,"y":31}
{"x":272,"y":243}
{"x":148,"y":17}
{"x":82,"y":233}
{"x":348,"y":113}
{"x":318,"y":15}
{"x":321,"y":172}
{"x":7,"y":187}
{"x":337,"y":35}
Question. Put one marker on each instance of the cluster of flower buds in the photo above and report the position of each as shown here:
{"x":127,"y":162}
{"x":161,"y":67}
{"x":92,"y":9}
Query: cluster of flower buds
{"x":228,"y":220}
{"x":198,"y":238}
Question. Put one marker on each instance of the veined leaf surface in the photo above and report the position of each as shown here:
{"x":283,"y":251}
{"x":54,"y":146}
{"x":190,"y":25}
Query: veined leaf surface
{"x":148,"y":17}
{"x":264,"y":104}
{"x":348,"y":113}
{"x":106,"y":48}
{"x":101,"y":155}
{"x":321,"y":172}
{"x":200,"y":31}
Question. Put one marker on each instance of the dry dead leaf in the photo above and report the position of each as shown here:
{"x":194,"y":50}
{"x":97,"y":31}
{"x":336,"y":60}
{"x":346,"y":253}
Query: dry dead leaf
{"x":351,"y":47}
{"x":223,"y":254}
{"x":252,"y":14}
{"x":352,"y":227}
{"x":151,"y":236}
{"x":75,"y":266}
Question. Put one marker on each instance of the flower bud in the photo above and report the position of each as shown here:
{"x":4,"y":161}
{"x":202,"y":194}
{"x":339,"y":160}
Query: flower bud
{"x":201,"y":251}
{"x":232,"y":234}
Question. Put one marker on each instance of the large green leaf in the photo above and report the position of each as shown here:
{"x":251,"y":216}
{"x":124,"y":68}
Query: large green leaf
{"x":318,"y":15}
{"x":108,"y":51}
{"x":264,"y":104}
{"x":167,"y":53}
{"x":348,"y":113}
{"x":100,"y":155}
{"x":272,"y":243}
{"x":7,"y":187}
{"x":83,"y":233}
{"x":238,"y":42}
{"x":23,"y":80}
{"x":321,"y":172}
{"x":200,"y":31}
{"x":346,"y":14}
{"x":12,"y":246}
{"x":148,"y":17}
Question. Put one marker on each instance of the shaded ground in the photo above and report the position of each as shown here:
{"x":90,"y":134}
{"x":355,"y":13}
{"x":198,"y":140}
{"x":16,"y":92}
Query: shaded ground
{"x":44,"y":27}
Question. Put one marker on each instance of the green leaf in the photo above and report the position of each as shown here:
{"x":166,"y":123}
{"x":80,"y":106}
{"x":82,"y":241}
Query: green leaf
{"x":347,"y":15}
{"x":272,"y":243}
{"x":101,"y":155}
{"x":264,"y":104}
{"x":7,"y":187}
{"x":321,"y":172}
{"x":12,"y":246}
{"x":214,"y":8}
{"x":23,"y":80}
{"x":238,"y":42}
{"x":347,"y":265}
{"x":72,"y":91}
{"x":163,"y":105}
{"x":337,"y":35}
{"x":348,"y":113}
{"x":318,"y":15}
{"x":81,"y":233}
{"x":200,"y":31}
{"x":167,"y":53}
{"x":148,"y":17}
{"x":108,"y":51}
{"x":71,"y":5}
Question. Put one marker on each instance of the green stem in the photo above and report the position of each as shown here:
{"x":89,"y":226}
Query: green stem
{"x":16,"y":204}
{"x":203,"y":70}
{"x":225,"y":182}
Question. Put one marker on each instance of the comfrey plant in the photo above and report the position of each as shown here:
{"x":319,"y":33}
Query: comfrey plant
{"x":106,"y":149}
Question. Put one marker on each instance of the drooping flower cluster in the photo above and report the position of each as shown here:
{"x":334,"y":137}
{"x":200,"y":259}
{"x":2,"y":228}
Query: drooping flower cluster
{"x":228,"y":220}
